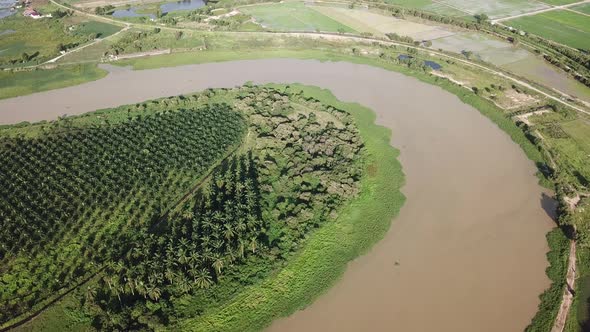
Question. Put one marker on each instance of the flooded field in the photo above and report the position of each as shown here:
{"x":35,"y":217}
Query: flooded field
{"x":484,"y":47}
{"x":466,"y":253}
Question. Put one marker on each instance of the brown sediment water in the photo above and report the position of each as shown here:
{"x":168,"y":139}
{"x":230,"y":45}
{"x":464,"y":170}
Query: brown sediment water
{"x":467,"y":251}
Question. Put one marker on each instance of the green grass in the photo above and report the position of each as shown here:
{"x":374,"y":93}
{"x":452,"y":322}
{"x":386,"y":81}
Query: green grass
{"x":579,"y":131}
{"x":27,"y":82}
{"x":323,"y":258}
{"x":101,"y":29}
{"x":561,"y":26}
{"x":32,"y":36}
{"x":583,"y":8}
{"x":293,"y":16}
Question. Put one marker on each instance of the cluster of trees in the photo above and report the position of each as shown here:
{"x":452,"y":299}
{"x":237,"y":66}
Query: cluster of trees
{"x":400,"y":12}
{"x":106,"y":10}
{"x":70,"y":194}
{"x":108,"y":202}
{"x":133,"y":42}
{"x":396,"y":37}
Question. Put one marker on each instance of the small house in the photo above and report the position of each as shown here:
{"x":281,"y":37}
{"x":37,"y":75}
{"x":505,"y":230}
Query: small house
{"x":30,"y":12}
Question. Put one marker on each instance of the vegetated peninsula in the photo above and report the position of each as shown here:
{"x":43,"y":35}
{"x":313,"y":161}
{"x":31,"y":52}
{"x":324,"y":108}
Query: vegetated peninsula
{"x":166,"y":208}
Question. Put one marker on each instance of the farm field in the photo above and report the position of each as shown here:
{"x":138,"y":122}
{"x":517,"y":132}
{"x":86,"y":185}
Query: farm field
{"x":579,"y":131}
{"x":32,"y":36}
{"x":494,"y":9}
{"x":293,"y":16}
{"x":484,"y":47}
{"x":378,"y":24}
{"x":42,"y":39}
{"x":559,"y":2}
{"x":583,"y":8}
{"x":429,"y":5}
{"x":98,"y":29}
{"x":562,"y":26}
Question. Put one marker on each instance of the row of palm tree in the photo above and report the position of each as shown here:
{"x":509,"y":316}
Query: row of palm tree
{"x":218,"y":228}
{"x":93,"y":186}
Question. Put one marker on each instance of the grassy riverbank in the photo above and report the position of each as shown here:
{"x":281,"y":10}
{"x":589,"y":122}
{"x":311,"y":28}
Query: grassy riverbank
{"x":13,"y":84}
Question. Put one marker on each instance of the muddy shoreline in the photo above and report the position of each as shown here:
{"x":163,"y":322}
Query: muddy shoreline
{"x":470,"y":239}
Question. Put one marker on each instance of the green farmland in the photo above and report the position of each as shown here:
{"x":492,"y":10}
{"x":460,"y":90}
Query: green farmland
{"x":559,"y":2}
{"x":98,"y":29}
{"x":494,"y":9}
{"x":583,"y":8}
{"x":561,"y":26}
{"x":293,"y":16}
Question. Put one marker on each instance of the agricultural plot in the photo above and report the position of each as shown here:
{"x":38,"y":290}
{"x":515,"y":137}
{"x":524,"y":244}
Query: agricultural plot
{"x":559,"y":2}
{"x":583,"y":8}
{"x":494,"y":9}
{"x":293,"y":16}
{"x":429,"y":5}
{"x":483,"y":47}
{"x":32,"y":36}
{"x":579,"y":131}
{"x":98,"y":29}
{"x":100,"y":182}
{"x":562,"y":26}
{"x":367,"y":21}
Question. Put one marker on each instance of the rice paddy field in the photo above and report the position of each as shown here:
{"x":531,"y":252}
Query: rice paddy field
{"x":494,"y":9}
{"x":559,"y":2}
{"x":583,"y":8}
{"x":484,"y":47}
{"x":562,"y":26}
{"x":367,"y":21}
{"x":294,"y":16}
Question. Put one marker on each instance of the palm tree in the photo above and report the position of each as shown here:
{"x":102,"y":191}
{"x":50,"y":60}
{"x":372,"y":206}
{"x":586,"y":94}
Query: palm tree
{"x":153,"y":292}
{"x":203,"y":279}
{"x":218,"y":265}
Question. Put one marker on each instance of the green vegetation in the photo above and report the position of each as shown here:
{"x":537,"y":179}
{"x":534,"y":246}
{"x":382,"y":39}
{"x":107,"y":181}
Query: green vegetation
{"x":562,"y":26}
{"x":58,"y":231}
{"x":39,"y":39}
{"x":583,"y":8}
{"x":153,"y":260}
{"x":559,"y":2}
{"x":21,"y":83}
{"x":557,"y":257}
{"x":497,"y":8}
{"x":96,"y":29}
{"x":293,"y":16}
{"x":325,"y":254}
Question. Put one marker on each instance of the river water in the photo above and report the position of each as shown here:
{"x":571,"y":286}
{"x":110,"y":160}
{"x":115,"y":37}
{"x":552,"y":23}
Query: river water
{"x":467,"y":251}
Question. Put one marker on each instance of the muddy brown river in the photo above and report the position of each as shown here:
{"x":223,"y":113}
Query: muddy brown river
{"x":470,"y":239}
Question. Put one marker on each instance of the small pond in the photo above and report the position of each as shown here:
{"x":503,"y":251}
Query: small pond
{"x":165,"y":8}
{"x":130,"y":12}
{"x":432,"y":64}
{"x":428,"y":63}
{"x":182,"y":5}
